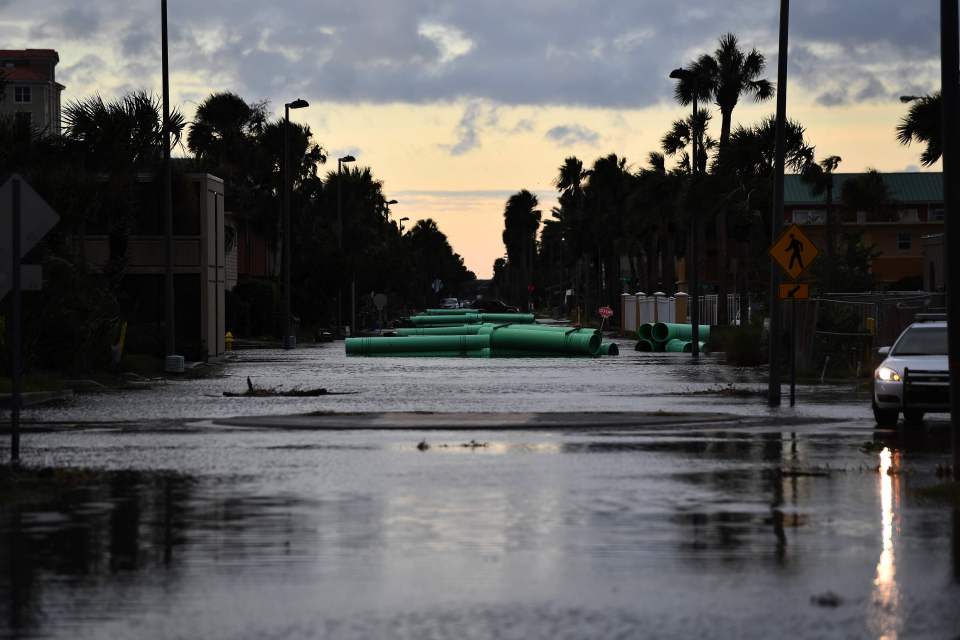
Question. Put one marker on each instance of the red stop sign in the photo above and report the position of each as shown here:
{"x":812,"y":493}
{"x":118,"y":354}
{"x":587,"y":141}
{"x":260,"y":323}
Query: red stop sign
{"x":605,"y":312}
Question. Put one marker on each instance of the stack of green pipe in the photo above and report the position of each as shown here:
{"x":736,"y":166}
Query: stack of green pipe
{"x":688,"y":347}
{"x":547,"y":327}
{"x":460,"y":318}
{"x":421,"y":345}
{"x":472,"y":318}
{"x":453,"y":330}
{"x":643,"y":333}
{"x":570,"y":343}
{"x":667,"y":331}
{"x":646,"y":345}
{"x":675,"y":346}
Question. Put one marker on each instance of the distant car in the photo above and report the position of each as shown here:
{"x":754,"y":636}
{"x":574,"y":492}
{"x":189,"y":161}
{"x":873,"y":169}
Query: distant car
{"x":450,"y":303}
{"x":493,"y":306}
{"x":914,"y":377}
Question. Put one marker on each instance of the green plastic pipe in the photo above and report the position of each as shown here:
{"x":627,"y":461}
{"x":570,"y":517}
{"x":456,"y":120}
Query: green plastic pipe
{"x":677,"y":346}
{"x":644,"y":331}
{"x":554,"y":342}
{"x":461,"y":318}
{"x":513,"y":318}
{"x":665,"y":332}
{"x":545,"y":327}
{"x":645,"y":345}
{"x":478,"y":353}
{"x":609,"y":349}
{"x":473,"y":318}
{"x":455,"y":330}
{"x":417,"y":344}
{"x":688,"y":347}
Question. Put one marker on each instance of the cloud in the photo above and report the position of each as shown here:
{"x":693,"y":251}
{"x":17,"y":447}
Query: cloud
{"x":833,"y":98}
{"x":602,"y":53}
{"x":572,"y":134}
{"x":476,"y":116}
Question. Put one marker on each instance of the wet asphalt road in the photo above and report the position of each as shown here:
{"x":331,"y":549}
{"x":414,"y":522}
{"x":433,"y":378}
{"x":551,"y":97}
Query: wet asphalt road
{"x":738,"y":529}
{"x":630,"y":382}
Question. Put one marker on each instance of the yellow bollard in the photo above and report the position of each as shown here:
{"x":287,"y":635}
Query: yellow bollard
{"x":228,"y":341}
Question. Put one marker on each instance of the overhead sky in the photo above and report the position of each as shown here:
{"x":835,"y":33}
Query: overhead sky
{"x":456,"y":104}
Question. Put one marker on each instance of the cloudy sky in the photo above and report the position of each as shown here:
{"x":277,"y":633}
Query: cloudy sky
{"x":458,"y":103}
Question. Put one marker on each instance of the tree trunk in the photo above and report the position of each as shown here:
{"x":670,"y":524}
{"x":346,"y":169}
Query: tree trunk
{"x":723,"y":260}
{"x":668,"y":260}
{"x":831,"y":236}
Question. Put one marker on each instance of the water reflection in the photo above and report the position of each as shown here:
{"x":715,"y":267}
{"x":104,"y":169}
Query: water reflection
{"x":885,"y":607}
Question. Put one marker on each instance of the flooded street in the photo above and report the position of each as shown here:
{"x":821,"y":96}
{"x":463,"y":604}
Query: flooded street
{"x":805,"y":523}
{"x":630,"y":382}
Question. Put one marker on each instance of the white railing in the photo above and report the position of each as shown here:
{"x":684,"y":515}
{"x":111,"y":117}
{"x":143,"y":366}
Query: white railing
{"x":639,"y":308}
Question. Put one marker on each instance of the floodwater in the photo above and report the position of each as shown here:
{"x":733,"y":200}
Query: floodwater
{"x":806,"y":531}
{"x":631,"y":534}
{"x":630,"y":382}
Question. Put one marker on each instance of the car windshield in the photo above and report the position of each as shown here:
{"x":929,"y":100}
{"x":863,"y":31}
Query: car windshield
{"x":922,"y":342}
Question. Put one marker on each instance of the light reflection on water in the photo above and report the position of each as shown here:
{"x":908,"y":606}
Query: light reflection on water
{"x":885,"y":606}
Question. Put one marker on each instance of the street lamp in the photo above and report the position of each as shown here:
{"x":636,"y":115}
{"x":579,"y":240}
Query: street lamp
{"x":387,"y":207}
{"x":172,"y":363}
{"x":289,"y":338}
{"x":402,"y":220}
{"x":693,"y":253}
{"x":340,"y":162}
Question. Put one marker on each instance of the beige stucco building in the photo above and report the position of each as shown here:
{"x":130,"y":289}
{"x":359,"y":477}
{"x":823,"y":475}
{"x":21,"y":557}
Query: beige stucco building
{"x":31,"y":92}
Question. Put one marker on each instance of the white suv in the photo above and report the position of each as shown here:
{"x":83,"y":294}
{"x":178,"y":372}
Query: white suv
{"x":914,"y":377}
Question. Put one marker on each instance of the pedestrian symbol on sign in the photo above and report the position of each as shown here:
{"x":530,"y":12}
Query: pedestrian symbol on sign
{"x":794,"y":252}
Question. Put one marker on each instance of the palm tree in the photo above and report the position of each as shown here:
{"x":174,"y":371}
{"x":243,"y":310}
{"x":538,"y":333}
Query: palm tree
{"x":119,"y":139}
{"x":924,"y":124}
{"x":819,"y":178}
{"x":521,"y":221}
{"x":675,"y":141}
{"x":726,"y":76}
{"x":658,"y":191}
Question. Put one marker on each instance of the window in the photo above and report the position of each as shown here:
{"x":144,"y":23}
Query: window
{"x":904,"y":241}
{"x":937,"y":215}
{"x":22,"y":95}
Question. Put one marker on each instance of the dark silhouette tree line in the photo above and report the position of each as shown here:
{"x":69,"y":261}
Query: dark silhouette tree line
{"x":620,"y":228}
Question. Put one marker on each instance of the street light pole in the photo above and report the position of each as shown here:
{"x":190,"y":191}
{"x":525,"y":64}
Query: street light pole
{"x":171,"y":363}
{"x":402,"y":220}
{"x":693,"y":253}
{"x":950,"y":88}
{"x":776,"y":219}
{"x":340,"y":163}
{"x":289,"y":338}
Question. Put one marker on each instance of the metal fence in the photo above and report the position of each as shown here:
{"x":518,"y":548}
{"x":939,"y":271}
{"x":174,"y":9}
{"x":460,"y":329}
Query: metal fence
{"x":840,"y":332}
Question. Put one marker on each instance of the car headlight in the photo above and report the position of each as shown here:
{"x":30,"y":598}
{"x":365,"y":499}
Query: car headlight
{"x":886,"y":374}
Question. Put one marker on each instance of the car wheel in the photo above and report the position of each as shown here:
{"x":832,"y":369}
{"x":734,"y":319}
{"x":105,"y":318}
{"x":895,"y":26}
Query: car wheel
{"x":885,"y":417}
{"x":913,"y":417}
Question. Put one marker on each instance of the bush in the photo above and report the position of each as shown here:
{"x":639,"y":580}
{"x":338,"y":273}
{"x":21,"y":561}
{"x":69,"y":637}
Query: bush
{"x":744,"y":346}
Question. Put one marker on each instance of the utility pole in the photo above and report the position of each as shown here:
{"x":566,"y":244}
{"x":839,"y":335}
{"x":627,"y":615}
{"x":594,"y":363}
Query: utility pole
{"x":950,"y":87}
{"x":776,"y":219}
{"x":16,"y":338}
{"x":693,"y":254}
{"x":173,"y":362}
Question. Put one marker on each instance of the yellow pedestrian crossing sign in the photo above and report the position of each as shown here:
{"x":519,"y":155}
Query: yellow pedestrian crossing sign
{"x":794,"y":251}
